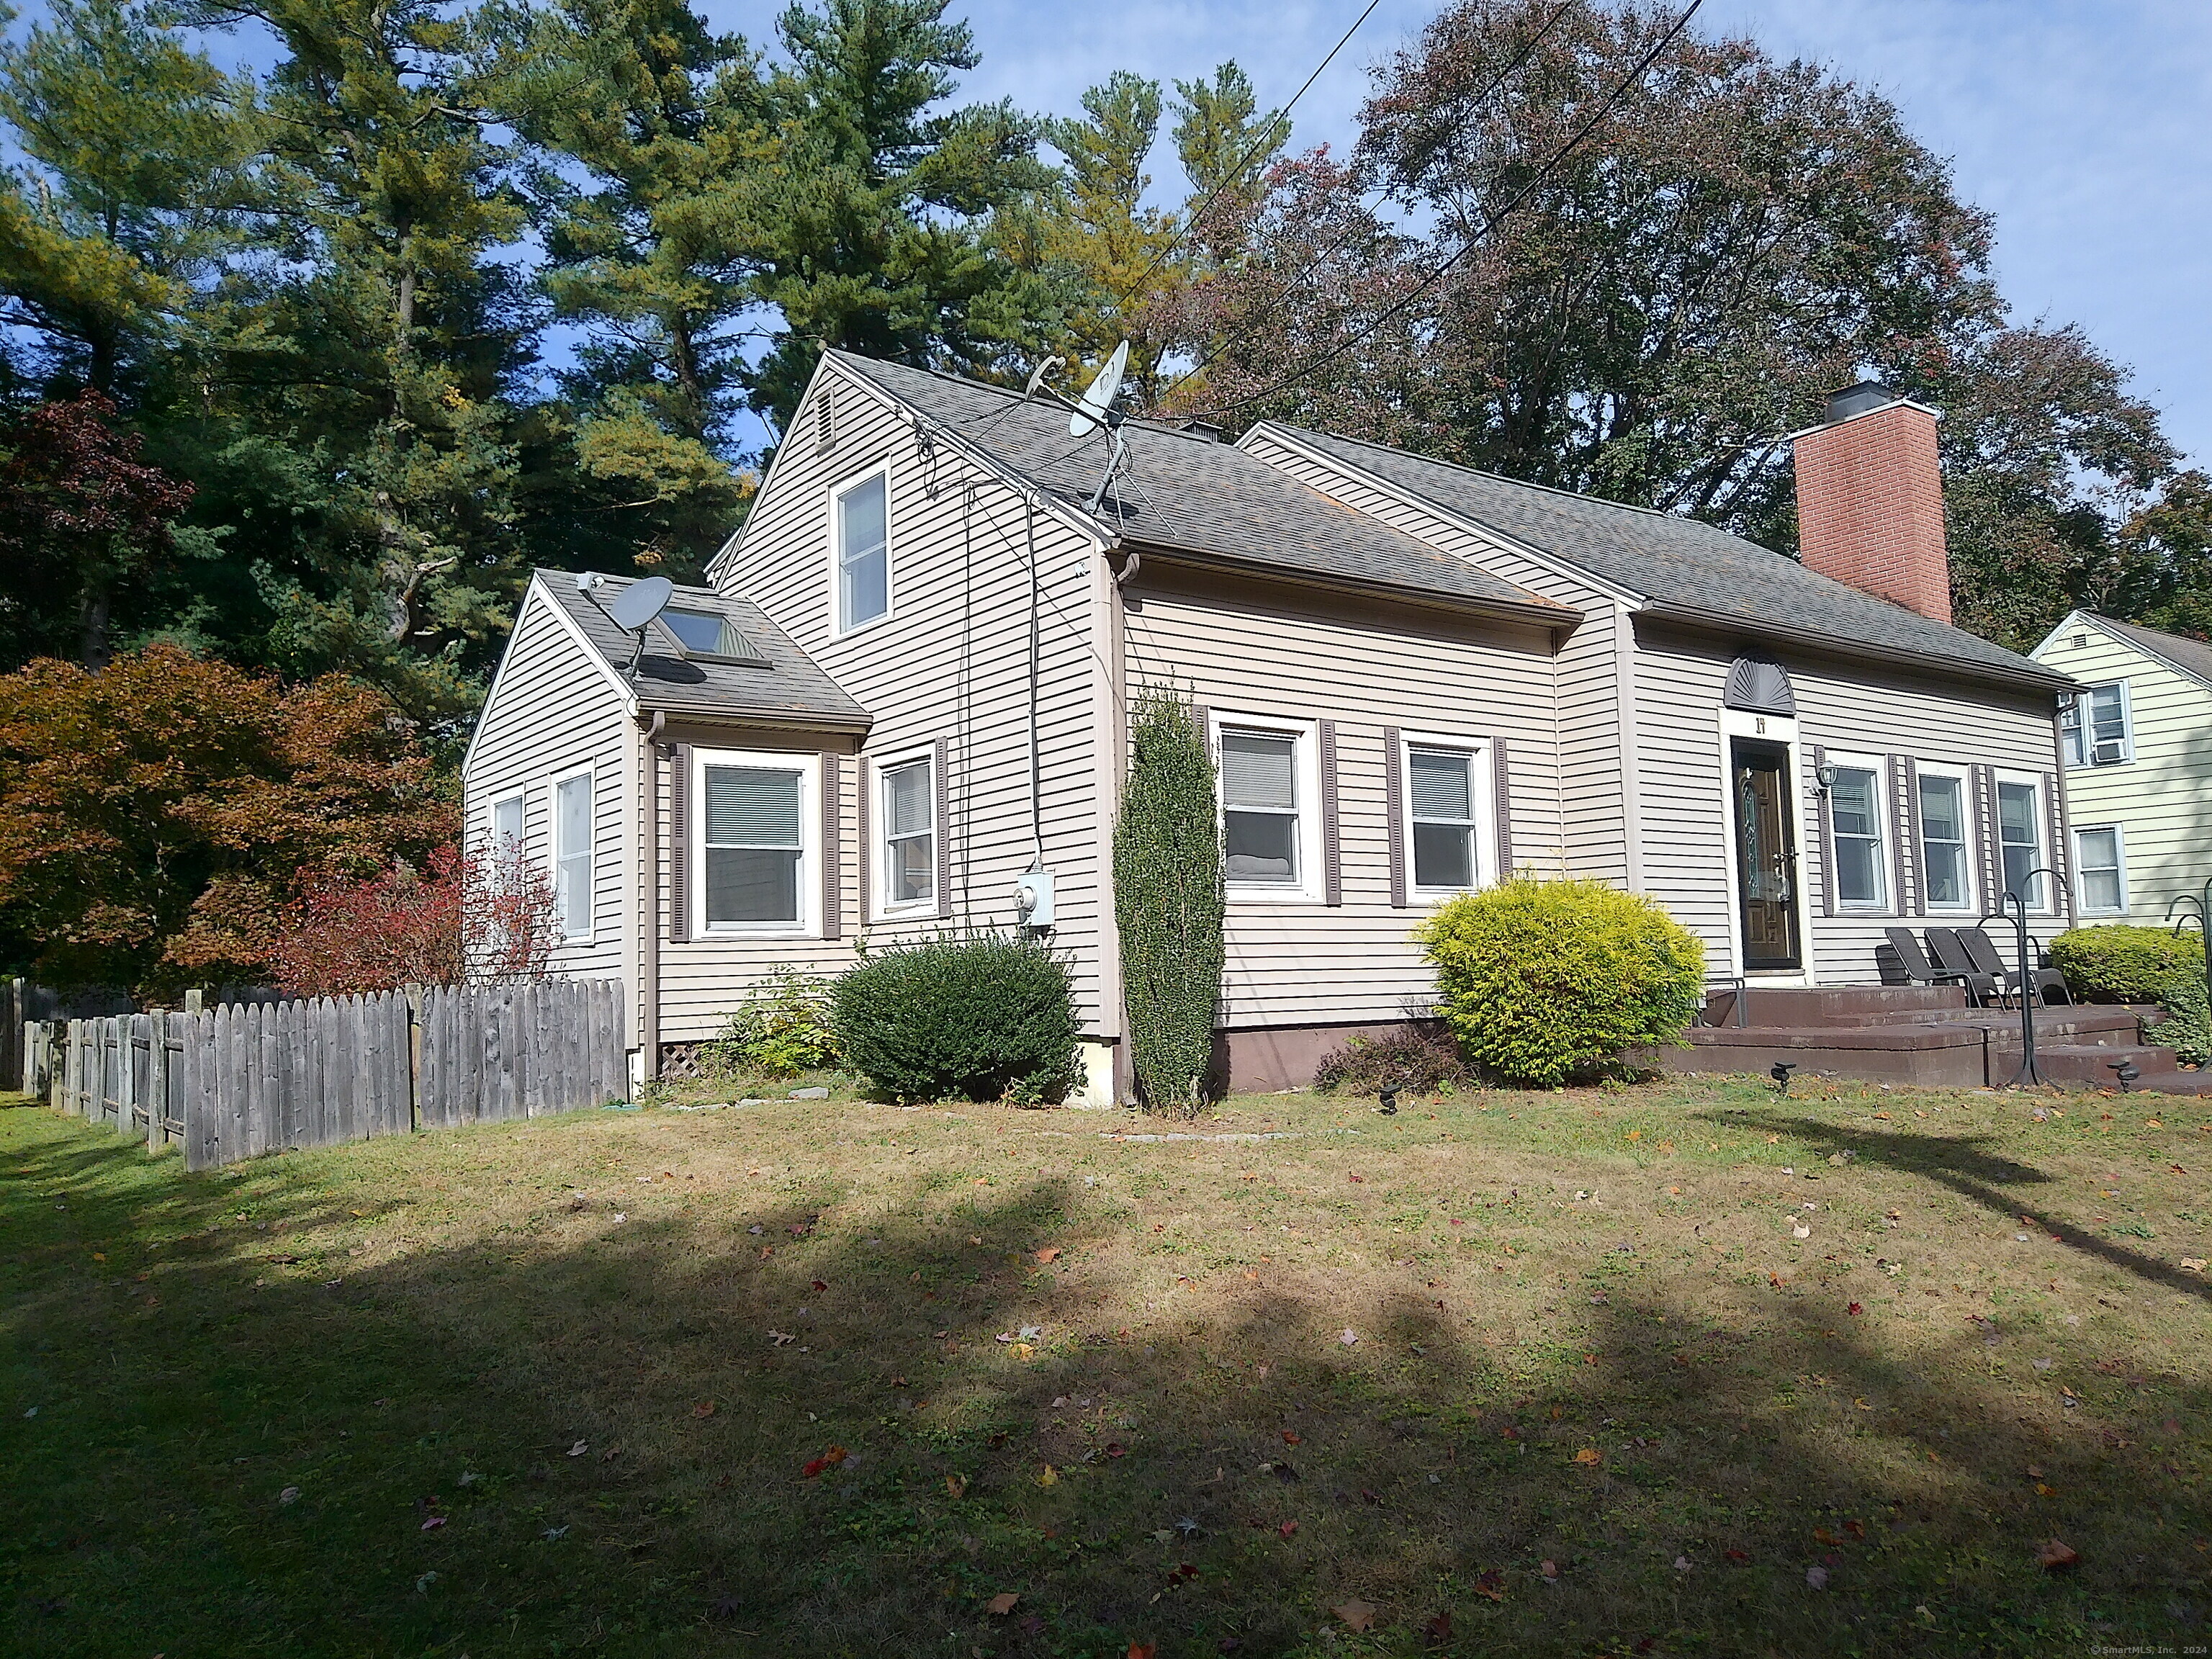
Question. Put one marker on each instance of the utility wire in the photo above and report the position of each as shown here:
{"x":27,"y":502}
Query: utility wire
{"x":1267,"y":136}
{"x":1475,"y":238}
{"x":1376,"y":195}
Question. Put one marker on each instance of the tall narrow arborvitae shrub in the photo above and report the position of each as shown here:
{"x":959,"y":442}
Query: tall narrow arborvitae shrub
{"x":1168,"y":901}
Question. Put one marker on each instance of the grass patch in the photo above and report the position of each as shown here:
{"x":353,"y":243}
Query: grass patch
{"x":555,"y":1387}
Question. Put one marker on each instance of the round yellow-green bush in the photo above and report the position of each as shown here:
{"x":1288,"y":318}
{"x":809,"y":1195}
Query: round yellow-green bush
{"x":1542,"y":981}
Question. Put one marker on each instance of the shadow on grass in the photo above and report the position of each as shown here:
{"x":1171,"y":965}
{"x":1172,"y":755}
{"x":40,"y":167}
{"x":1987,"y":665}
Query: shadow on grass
{"x":1961,"y":1163}
{"x":1428,"y":1468}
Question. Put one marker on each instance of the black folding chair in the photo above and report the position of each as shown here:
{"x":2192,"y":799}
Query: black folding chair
{"x":1952,"y":958}
{"x":1982,"y":951}
{"x":1912,"y":963}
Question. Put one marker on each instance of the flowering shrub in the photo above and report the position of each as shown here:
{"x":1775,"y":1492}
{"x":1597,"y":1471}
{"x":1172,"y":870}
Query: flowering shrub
{"x":462,"y":920}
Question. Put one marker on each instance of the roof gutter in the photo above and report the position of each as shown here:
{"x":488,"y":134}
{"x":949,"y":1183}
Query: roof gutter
{"x":846,"y":724}
{"x":1541,"y":615}
{"x":2046,"y":680}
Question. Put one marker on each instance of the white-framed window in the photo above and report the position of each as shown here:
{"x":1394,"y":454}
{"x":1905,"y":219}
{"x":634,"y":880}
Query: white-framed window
{"x":1855,"y":819}
{"x":758,"y":836}
{"x":1270,"y":780}
{"x":1947,"y":869}
{"x":2097,"y":727}
{"x":2019,"y":838}
{"x":861,"y":549}
{"x":1449,"y":813}
{"x":506,"y":845}
{"x":572,"y":855}
{"x":2100,"y":870}
{"x":906,"y":808}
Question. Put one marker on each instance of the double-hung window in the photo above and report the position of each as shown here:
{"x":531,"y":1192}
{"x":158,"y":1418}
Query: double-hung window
{"x":1442,"y":793}
{"x":862,"y":552}
{"x":2094,"y":726}
{"x":1855,"y":816}
{"x":1943,"y":842}
{"x":2020,"y":840}
{"x":2100,"y":870}
{"x":505,"y":849}
{"x":1260,"y":807}
{"x":572,"y":855}
{"x":753,"y":840}
{"x":909,"y":816}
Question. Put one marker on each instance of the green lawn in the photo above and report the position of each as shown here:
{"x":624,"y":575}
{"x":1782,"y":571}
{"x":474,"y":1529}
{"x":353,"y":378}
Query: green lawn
{"x":1549,"y":1373}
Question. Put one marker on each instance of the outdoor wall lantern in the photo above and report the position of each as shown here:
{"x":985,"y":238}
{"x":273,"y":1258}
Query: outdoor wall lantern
{"x":1826,"y":773}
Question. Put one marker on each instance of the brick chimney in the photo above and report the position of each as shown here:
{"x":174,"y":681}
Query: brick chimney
{"x":1870,"y":498}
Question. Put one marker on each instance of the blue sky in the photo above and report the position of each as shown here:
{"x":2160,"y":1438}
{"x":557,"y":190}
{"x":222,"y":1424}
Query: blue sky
{"x":2080,"y":125}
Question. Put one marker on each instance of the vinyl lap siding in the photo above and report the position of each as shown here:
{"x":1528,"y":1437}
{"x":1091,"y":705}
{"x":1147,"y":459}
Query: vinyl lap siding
{"x":2161,"y":800}
{"x":951,"y":662}
{"x":1881,"y":712}
{"x":553,"y":712}
{"x":1584,"y":677}
{"x":1237,"y":648}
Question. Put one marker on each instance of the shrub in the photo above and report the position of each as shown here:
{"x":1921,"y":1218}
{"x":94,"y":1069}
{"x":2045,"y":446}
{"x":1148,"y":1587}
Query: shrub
{"x":2121,"y":963}
{"x":1541,"y":980}
{"x":458,"y":920}
{"x":980,"y":1016}
{"x":1168,"y":901}
{"x":1417,"y":1057}
{"x":784,"y":1027}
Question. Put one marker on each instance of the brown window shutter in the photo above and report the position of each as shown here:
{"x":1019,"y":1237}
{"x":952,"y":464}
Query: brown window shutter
{"x":1828,"y":840}
{"x":833,"y":848}
{"x":863,"y":796}
{"x":1394,"y":809}
{"x":2056,"y":853}
{"x":1899,"y":815}
{"x":679,"y":848}
{"x":1501,"y":786}
{"x":944,"y":838}
{"x":1989,"y":861}
{"x":1912,"y":839}
{"x":1332,"y":844}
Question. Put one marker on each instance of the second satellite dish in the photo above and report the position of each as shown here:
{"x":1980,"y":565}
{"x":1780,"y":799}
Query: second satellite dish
{"x":640,"y":602}
{"x":1090,"y":411}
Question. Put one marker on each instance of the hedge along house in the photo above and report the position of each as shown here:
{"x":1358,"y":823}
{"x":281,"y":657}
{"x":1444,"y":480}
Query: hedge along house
{"x":1413,"y":677}
{"x":2137,"y":747}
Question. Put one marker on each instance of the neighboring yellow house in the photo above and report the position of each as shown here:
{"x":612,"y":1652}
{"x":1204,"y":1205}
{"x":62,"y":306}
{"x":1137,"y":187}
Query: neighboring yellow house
{"x":2138,"y":750}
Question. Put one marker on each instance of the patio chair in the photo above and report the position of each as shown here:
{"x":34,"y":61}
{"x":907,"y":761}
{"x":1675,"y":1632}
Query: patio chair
{"x":1982,"y":950}
{"x":1904,"y":954}
{"x":1952,"y":959}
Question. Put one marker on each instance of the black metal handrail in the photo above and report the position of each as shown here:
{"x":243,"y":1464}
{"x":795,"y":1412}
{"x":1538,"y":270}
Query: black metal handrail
{"x":2202,"y":915}
{"x":2013,"y":909}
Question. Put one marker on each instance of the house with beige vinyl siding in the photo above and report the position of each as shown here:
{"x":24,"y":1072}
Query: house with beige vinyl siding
{"x":2137,"y":745}
{"x":1414,"y":680}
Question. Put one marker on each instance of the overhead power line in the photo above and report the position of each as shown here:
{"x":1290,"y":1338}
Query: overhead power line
{"x":1468,"y":246}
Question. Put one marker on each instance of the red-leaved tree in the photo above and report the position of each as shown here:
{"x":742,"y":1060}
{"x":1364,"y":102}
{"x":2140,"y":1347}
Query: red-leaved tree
{"x":458,"y":920}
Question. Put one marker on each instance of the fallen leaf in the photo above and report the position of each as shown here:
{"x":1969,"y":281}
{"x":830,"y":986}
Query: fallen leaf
{"x":1368,"y":1497}
{"x":1287,"y":1528}
{"x":289,"y":1495}
{"x":704,"y":1408}
{"x":1143,"y":1650}
{"x":820,"y":1286}
{"x":1116,"y":1449}
{"x":1739,"y":1556}
{"x":1437,"y":1631}
{"x":1349,"y":1338}
{"x":829,"y":1459}
{"x":1588,"y":1455}
{"x":1854,"y":1309}
{"x":2153,"y":1123}
{"x":1048,"y":1255}
{"x":1356,"y":1615}
{"x":580,"y":1448}
{"x":433,"y":1524}
{"x":1000,"y":1606}
{"x":1290,"y":1439}
{"x":1550,"y":1569}
{"x":2055,"y":1555}
{"x":1816,"y":1577}
{"x":1490,"y":1583}
{"x":1049,"y":1478}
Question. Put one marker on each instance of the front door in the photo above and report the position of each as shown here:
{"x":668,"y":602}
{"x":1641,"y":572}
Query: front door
{"x":1766,"y":855}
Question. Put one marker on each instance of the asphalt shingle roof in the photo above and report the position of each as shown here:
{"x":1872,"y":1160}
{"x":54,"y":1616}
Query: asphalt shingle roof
{"x":1185,"y":491}
{"x":786,"y":689}
{"x":1674,"y":560}
{"x":2191,"y":656}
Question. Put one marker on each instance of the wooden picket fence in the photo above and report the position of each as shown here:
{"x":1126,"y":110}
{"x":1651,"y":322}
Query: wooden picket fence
{"x":244,"y":1079}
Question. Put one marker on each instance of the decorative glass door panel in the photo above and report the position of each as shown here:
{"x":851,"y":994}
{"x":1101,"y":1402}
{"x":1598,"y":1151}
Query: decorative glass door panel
{"x":1766,"y":856}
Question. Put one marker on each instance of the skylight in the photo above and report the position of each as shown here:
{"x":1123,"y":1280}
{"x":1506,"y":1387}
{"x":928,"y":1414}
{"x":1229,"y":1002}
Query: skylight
{"x":704,"y":634}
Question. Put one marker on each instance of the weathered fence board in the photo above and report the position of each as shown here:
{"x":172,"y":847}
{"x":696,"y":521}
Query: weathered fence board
{"x":247,"y":1078}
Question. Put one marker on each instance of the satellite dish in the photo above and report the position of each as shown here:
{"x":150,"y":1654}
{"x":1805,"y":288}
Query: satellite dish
{"x":640,"y":602}
{"x":1090,"y":413}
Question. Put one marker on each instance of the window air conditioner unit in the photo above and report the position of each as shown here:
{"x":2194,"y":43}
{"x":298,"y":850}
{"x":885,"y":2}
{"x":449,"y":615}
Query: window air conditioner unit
{"x":2108,"y":754}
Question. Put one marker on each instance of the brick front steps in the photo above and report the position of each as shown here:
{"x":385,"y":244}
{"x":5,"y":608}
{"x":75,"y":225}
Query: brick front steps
{"x":1922,"y":1035}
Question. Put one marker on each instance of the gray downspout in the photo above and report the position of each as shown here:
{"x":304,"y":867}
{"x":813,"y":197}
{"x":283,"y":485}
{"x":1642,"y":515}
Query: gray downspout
{"x":648,"y":1035}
